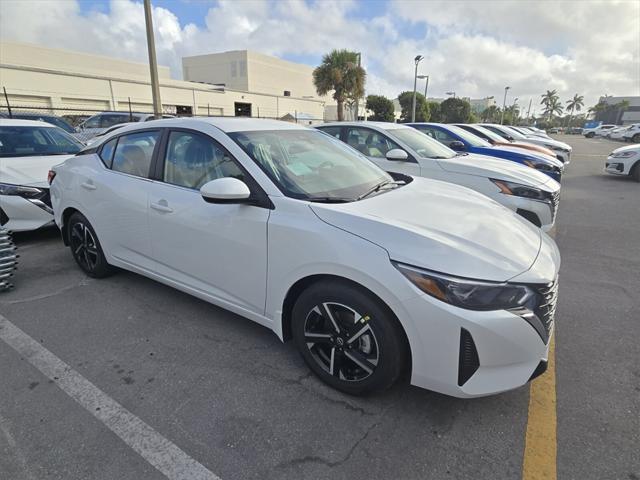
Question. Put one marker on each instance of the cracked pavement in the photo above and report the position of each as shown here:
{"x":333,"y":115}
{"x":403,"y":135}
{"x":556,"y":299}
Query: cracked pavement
{"x":231,"y":395}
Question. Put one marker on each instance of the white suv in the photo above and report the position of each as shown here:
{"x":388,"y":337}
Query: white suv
{"x":599,"y":131}
{"x":632,"y":134}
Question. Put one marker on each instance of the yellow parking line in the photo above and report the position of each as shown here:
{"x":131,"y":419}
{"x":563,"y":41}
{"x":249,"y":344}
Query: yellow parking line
{"x":540,"y":442}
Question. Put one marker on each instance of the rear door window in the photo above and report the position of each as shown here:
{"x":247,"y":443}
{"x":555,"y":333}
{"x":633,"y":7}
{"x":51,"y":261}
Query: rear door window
{"x":133,"y":153}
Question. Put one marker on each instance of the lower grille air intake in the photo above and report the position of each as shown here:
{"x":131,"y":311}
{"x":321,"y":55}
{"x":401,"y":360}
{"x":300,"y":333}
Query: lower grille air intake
{"x":468,"y":362}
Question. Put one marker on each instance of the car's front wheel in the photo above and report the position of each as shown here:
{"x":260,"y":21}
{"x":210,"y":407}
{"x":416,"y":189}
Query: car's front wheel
{"x":348,"y":337}
{"x":635,"y":172}
{"x":85,"y":247}
{"x":590,"y":135}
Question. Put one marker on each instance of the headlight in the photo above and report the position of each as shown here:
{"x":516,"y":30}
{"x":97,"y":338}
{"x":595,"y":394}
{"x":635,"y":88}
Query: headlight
{"x":19,"y":190}
{"x":556,"y":148}
{"x":519,"y":190}
{"x":626,"y":154}
{"x":468,"y":294}
{"x":540,"y":166}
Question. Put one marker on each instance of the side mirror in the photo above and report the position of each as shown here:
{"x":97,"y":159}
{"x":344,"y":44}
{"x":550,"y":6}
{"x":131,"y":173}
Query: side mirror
{"x":397,"y":154}
{"x":225,"y":190}
{"x":457,"y":145}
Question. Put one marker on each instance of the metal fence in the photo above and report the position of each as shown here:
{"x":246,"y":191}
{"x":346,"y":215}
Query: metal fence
{"x":73,"y":119}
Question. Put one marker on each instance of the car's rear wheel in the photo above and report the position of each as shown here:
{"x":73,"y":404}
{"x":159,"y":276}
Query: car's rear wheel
{"x":85,"y":247}
{"x":348,"y":337}
{"x":590,"y":135}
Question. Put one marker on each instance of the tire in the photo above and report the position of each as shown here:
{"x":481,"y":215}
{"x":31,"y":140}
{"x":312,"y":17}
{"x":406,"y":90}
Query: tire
{"x":636,"y":138}
{"x":635,"y":172}
{"x":85,"y":247}
{"x":348,"y":338}
{"x":590,"y":135}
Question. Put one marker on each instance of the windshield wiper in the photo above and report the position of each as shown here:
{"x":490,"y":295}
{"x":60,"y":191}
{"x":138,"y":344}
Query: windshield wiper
{"x":378,"y":187}
{"x":328,"y":199}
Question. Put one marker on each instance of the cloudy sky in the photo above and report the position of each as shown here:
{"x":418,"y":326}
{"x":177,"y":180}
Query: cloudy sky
{"x":474,"y":48}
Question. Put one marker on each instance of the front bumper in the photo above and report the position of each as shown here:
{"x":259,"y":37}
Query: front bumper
{"x":21,"y":214}
{"x":508,"y":349}
{"x":540,"y":213}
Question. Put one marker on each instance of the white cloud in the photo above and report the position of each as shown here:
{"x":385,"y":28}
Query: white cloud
{"x":472,"y":47}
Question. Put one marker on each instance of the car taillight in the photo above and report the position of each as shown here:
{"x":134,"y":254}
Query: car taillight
{"x":51,"y":176}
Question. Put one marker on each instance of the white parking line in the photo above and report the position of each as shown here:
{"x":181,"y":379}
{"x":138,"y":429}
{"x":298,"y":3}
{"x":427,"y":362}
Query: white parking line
{"x":149,"y":444}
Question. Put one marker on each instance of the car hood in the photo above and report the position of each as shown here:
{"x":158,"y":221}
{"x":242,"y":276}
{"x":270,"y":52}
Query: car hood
{"x":531,"y":154}
{"x":491,"y":167}
{"x":441,"y":227}
{"x":549,"y":141}
{"x":635,"y":147}
{"x":31,"y":171}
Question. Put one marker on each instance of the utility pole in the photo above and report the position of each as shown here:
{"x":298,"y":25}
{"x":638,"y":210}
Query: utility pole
{"x":504,"y":103}
{"x":426,"y":86}
{"x":415,"y":85}
{"x":357,"y":99}
{"x":153,"y":63}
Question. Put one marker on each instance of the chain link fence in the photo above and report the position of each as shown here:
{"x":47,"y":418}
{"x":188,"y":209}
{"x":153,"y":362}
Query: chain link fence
{"x":86,"y":124}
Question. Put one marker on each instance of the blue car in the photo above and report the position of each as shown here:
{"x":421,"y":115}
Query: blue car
{"x":460,"y":140}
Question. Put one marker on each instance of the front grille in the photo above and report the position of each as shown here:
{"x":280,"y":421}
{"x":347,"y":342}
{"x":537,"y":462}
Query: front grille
{"x":546,"y":305}
{"x":555,"y":201}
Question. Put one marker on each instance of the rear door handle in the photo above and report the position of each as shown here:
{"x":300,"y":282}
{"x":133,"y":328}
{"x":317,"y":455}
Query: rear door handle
{"x":162,"y":207}
{"x":88,"y":185}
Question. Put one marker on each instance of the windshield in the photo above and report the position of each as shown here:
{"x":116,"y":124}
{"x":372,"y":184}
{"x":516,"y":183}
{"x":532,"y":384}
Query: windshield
{"x":514,"y":133}
{"x":58,"y":122}
{"x":310,"y":165}
{"x":468,"y":137}
{"x":421,"y":143}
{"x":35,"y":141}
{"x":488,"y":133}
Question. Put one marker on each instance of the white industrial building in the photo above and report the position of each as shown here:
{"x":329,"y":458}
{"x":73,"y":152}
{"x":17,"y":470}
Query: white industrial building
{"x":55,"y":80}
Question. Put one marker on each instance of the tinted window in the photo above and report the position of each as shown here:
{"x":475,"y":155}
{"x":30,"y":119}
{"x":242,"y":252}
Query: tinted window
{"x":32,"y":141}
{"x":110,"y":120}
{"x":133,"y":153}
{"x":333,"y":131}
{"x":306,"y":164}
{"x":422,"y":144}
{"x":470,"y":138}
{"x":93,"y":122}
{"x":106,"y":154}
{"x":370,"y":142}
{"x":193,"y":160}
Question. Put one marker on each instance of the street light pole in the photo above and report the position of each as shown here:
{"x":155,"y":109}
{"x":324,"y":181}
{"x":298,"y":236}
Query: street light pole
{"x":504,"y":103}
{"x":415,"y":85}
{"x":153,"y":63}
{"x":451,"y":93}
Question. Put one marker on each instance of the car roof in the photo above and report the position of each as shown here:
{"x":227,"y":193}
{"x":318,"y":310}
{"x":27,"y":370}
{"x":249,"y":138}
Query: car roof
{"x":380,"y":125}
{"x":14,"y":122}
{"x":225,"y":124}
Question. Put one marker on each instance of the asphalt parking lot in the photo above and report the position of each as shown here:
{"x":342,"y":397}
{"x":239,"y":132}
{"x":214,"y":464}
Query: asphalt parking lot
{"x":237,"y":402}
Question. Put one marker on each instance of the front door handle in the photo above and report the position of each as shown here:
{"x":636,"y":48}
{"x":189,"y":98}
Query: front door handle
{"x":162,"y":206}
{"x":88,"y":185}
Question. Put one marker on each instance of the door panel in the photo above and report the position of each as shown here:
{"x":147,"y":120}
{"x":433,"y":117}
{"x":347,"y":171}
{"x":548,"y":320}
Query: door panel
{"x":219,"y":249}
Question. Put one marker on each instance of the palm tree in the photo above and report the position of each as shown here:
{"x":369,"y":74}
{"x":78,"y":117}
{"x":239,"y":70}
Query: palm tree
{"x":339,"y":72}
{"x":575,"y":104}
{"x":551,"y":102}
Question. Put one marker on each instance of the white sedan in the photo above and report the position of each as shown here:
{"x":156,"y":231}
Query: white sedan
{"x":371,"y":275}
{"x":560,"y":149}
{"x":28,"y":149}
{"x":624,"y":161}
{"x":402,"y":149}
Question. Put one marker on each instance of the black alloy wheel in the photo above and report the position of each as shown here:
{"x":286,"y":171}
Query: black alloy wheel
{"x":86,"y":248}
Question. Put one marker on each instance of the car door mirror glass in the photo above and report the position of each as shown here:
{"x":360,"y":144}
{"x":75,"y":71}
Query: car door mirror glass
{"x":397,"y":154}
{"x":457,"y":145}
{"x":225,"y":190}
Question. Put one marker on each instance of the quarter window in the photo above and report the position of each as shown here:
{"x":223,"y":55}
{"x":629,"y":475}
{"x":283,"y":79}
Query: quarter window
{"x":133,"y":153}
{"x":369,"y":142}
{"x":106,"y":154}
{"x":193,"y":160}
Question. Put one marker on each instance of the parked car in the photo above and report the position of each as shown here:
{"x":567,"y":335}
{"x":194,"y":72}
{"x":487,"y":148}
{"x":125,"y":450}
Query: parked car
{"x":617,"y":133}
{"x":553,"y":130}
{"x":632,"y":134}
{"x":370,"y":274}
{"x":49,"y":118}
{"x":460,"y":140}
{"x":574,"y":130}
{"x":401,"y":149}
{"x":561,"y":149}
{"x":98,"y":123}
{"x":99,"y":137}
{"x":28,"y":149}
{"x":598,"y":131}
{"x":495,"y":139}
{"x":624,"y":161}
{"x":530,"y":131}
